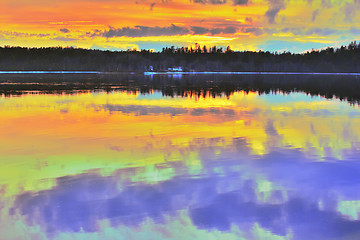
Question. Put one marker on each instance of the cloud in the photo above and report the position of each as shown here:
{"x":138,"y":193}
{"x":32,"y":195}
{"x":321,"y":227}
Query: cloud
{"x":144,"y":31}
{"x":200,"y":1}
{"x":314,"y":15}
{"x":240,"y":2}
{"x":351,"y":9}
{"x":64,"y":30}
{"x":216,"y":2}
{"x":213,"y":31}
{"x":229,"y":30}
{"x":274,"y":8}
{"x":294,"y":30}
{"x":310,"y":31}
{"x":320,"y":31}
{"x":326,"y":3}
{"x":22,"y":34}
{"x":64,"y":39}
{"x":199,"y":30}
{"x":94,"y":33}
{"x":254,"y":30}
{"x":210,"y":1}
{"x":354,"y":30}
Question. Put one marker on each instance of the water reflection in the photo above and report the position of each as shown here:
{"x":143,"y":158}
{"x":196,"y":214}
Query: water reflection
{"x":120,"y":165}
{"x":213,"y":85}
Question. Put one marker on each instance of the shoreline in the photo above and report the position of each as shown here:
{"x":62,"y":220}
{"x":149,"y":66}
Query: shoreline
{"x":182,"y":73}
{"x":251,"y":73}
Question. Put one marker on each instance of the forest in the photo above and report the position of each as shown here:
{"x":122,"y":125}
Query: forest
{"x":200,"y":58}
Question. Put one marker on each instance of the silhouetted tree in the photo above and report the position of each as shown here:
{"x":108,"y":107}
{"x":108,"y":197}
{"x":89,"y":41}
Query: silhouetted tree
{"x":343,"y":59}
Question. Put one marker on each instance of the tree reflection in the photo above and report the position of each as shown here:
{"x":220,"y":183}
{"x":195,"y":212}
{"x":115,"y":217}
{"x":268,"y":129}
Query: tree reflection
{"x":208,"y":85}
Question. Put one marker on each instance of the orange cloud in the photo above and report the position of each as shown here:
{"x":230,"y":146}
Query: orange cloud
{"x":242,"y":24}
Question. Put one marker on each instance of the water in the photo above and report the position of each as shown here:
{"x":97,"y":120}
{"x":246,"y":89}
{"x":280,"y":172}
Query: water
{"x":134,"y":159}
{"x":245,"y":73}
{"x":49,"y":72}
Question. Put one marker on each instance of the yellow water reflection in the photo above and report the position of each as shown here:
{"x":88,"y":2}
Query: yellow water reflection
{"x":48,"y":136}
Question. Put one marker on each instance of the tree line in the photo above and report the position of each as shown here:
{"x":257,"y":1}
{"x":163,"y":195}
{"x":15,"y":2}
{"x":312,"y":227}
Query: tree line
{"x":199,"y":58}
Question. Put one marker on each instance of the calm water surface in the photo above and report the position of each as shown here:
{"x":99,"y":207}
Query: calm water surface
{"x":127,"y":165}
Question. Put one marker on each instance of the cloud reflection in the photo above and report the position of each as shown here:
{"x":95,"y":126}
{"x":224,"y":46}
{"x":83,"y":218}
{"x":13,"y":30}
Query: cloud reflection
{"x":238,"y":167}
{"x":78,"y":203}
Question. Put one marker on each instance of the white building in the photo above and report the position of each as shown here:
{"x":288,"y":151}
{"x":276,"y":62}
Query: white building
{"x":175,"y":69}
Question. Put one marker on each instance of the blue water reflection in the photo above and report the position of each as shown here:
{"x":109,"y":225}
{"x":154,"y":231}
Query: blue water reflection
{"x":301,"y":197}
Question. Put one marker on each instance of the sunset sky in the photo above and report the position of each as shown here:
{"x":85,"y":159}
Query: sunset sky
{"x":274,"y":25}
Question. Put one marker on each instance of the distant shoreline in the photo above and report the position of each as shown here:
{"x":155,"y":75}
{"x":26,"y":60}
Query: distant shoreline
{"x":75,"y":60}
{"x":181,"y":73}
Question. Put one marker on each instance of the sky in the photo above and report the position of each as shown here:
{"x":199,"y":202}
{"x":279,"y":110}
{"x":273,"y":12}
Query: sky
{"x":268,"y":25}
